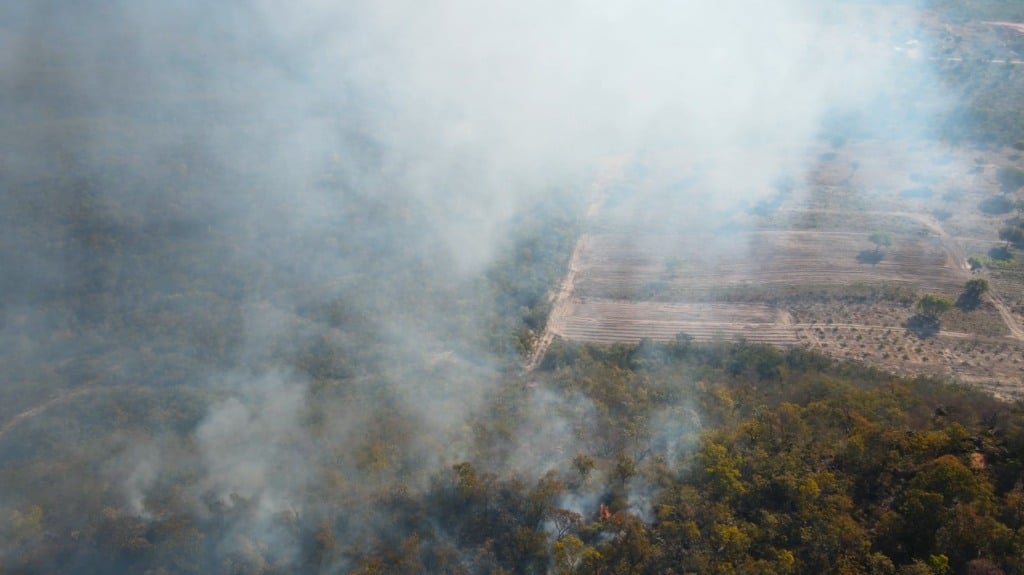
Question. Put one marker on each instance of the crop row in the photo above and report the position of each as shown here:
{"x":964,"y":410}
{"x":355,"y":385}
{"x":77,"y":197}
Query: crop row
{"x":614,"y":268}
{"x":607,"y":321}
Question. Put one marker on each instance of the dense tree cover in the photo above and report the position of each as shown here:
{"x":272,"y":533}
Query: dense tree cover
{"x":802,"y":466}
{"x":667,"y":458}
{"x":517,"y":284}
{"x":149,"y":314}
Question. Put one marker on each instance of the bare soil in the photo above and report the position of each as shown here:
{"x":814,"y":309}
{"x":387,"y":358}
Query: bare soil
{"x":803,"y":272}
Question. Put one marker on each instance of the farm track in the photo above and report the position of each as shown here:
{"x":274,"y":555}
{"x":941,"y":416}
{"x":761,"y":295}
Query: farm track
{"x":610,"y":173}
{"x":634,"y":282}
{"x":559,"y":309}
{"x":956,"y":253}
{"x":53,"y":402}
{"x":1007,"y":315}
{"x":779,"y":258}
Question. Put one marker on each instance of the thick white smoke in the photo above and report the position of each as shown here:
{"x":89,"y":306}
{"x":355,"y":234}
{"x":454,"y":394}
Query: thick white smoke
{"x":451,"y":114}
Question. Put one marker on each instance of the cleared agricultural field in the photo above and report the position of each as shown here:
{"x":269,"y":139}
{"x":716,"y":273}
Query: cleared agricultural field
{"x":805,"y":272}
{"x":616,"y":267}
{"x":611,"y":321}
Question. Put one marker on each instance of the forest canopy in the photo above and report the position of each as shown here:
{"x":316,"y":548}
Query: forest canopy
{"x":794,"y":464}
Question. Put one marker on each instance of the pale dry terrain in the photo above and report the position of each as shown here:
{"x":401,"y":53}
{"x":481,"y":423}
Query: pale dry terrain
{"x":800,"y":269}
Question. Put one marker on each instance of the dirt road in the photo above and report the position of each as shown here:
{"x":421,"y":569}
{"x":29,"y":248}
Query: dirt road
{"x":36,"y":410}
{"x":65,"y":397}
{"x":955,"y":252}
{"x":561,"y":306}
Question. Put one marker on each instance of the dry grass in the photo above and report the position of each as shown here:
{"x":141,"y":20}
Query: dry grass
{"x":804,"y":272}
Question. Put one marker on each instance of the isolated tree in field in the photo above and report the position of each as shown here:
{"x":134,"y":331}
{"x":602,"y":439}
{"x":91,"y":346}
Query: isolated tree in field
{"x":971,"y":296}
{"x":881,"y":240}
{"x":933,"y":305}
{"x":976,"y":287}
{"x":1012,"y":235}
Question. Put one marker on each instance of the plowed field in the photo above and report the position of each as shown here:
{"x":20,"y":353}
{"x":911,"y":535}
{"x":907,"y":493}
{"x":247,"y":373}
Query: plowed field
{"x":805,"y":272}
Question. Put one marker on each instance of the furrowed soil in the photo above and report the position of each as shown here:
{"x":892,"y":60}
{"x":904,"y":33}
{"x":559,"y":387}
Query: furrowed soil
{"x":798,"y":268}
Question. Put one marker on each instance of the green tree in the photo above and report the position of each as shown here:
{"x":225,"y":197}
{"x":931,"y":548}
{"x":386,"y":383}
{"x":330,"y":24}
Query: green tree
{"x":584,"y":464}
{"x":972,"y":294}
{"x":881,"y":240}
{"x":1012,"y":235}
{"x":568,"y":555}
{"x":721,"y":470}
{"x":27,"y":525}
{"x":932,"y":305}
{"x":976,"y":287}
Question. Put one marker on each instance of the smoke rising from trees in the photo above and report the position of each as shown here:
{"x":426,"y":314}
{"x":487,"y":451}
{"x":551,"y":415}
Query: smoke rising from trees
{"x":282,"y":213}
